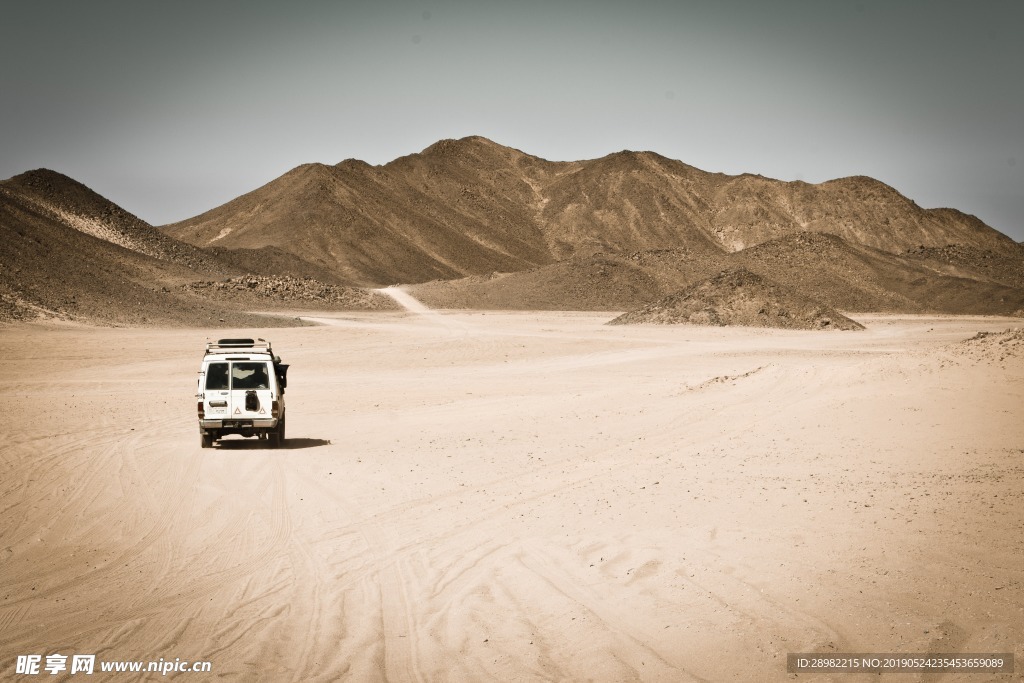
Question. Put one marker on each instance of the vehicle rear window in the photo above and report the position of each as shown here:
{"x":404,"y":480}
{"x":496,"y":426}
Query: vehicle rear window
{"x":249,"y":376}
{"x":217,"y":376}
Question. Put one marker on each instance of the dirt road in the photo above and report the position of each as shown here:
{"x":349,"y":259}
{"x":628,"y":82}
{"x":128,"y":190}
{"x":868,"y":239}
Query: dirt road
{"x":531,"y":496}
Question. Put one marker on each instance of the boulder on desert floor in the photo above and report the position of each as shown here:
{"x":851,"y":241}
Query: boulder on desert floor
{"x":741,"y":298}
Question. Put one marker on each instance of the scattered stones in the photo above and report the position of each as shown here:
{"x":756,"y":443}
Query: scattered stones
{"x":992,"y":347}
{"x":287,"y":289}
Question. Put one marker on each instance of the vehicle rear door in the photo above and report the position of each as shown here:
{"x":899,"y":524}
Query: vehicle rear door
{"x":251,"y":390}
{"x":216,"y":390}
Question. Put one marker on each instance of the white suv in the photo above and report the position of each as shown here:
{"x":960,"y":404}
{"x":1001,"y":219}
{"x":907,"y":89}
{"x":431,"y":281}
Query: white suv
{"x":241,"y":391}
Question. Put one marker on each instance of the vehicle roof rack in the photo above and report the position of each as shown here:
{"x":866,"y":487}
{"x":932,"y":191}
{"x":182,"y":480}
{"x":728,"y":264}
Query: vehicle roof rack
{"x":236,"y":345}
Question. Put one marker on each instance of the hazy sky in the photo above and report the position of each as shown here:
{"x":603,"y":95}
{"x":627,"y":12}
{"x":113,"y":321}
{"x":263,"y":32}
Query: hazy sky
{"x":172,"y":108}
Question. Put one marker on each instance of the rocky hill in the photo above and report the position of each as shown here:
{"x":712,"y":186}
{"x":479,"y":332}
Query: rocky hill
{"x":57,"y":199}
{"x":434,"y":215}
{"x":66,"y":253}
{"x":473,"y":207}
{"x":993,"y":348}
{"x":599,"y":282}
{"x":827,"y":268}
{"x":856,"y":277}
{"x":739,"y":297}
{"x":1003,"y":267}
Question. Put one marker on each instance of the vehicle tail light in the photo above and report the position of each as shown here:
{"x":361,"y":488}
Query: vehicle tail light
{"x":275,"y":408}
{"x":199,"y":409}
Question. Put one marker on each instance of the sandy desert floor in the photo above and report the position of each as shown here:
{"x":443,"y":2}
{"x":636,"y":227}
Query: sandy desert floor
{"x":517,"y":496}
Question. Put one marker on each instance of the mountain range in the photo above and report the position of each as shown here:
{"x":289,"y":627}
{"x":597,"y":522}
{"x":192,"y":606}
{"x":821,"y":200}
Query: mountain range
{"x":475,"y":224}
{"x":470,"y":206}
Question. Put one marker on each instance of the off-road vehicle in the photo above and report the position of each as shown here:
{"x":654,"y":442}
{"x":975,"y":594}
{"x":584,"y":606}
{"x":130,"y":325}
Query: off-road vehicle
{"x":241,"y":391}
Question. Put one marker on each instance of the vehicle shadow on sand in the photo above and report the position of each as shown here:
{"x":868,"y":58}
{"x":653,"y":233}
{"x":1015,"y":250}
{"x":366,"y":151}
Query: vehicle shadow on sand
{"x":262,"y":445}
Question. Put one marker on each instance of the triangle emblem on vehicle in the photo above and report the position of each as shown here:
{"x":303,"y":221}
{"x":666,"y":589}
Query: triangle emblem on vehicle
{"x":237,"y":411}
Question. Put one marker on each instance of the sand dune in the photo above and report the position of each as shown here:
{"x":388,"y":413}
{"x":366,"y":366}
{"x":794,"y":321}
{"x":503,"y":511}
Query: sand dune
{"x":518,"y":496}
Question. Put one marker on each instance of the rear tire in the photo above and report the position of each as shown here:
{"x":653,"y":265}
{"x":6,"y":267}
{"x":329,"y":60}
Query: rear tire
{"x":277,"y":436}
{"x":205,"y":440}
